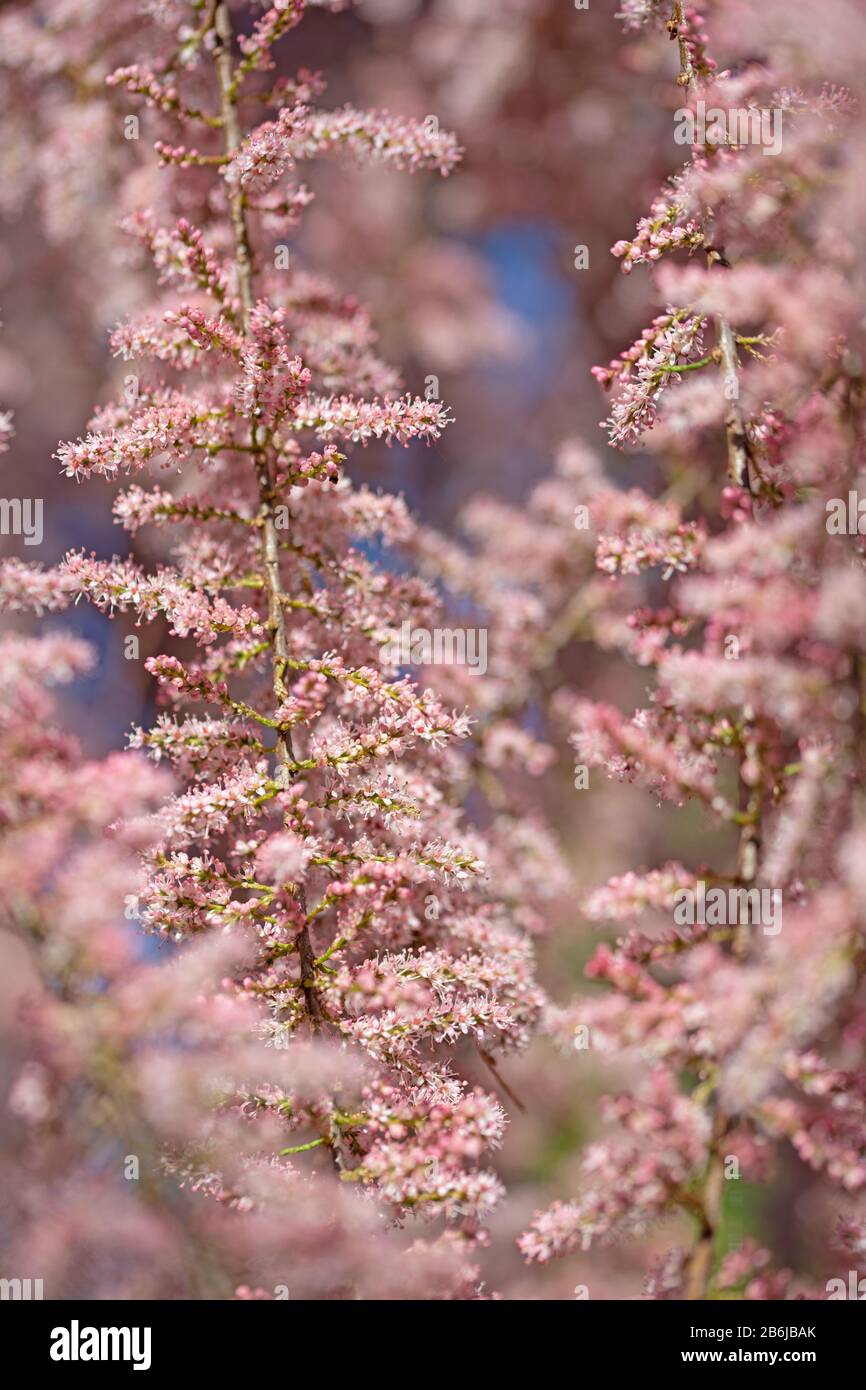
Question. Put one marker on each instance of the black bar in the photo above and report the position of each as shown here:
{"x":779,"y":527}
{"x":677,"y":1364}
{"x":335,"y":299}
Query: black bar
{"x":266,"y":1338}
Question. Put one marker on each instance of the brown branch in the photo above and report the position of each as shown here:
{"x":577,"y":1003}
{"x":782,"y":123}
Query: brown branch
{"x":740,"y":460}
{"x":740,"y":463}
{"x":741,"y":471}
{"x":687,"y":76}
{"x":700,"y":1262}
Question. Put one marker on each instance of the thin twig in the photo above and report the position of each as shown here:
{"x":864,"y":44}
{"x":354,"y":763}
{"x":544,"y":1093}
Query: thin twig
{"x":270,"y":538}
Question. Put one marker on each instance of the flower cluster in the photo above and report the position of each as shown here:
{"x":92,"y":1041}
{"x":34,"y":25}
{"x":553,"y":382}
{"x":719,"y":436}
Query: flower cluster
{"x":736,"y":1045}
{"x":313,"y":865}
{"x":745,"y":1037}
